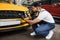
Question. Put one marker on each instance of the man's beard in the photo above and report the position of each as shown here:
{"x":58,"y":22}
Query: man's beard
{"x":35,"y":11}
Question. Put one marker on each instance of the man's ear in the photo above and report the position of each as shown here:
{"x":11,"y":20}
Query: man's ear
{"x":38,"y":8}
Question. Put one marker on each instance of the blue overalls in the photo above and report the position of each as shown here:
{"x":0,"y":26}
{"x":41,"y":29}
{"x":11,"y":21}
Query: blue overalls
{"x":43,"y":28}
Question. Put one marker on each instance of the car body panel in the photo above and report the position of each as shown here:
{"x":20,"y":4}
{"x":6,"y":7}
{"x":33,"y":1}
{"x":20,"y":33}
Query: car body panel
{"x":53,"y":9}
{"x":7,"y":6}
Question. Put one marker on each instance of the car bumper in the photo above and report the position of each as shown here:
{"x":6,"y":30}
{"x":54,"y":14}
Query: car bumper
{"x":14,"y":27}
{"x":56,"y":17}
{"x":12,"y":24}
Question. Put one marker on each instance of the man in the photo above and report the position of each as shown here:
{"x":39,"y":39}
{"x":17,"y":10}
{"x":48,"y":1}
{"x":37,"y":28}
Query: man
{"x":45,"y":27}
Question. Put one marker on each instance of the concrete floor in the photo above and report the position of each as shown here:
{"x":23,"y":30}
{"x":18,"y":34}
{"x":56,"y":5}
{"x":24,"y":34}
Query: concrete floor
{"x":24,"y":35}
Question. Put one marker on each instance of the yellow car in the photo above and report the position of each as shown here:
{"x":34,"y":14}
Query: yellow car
{"x":11,"y":16}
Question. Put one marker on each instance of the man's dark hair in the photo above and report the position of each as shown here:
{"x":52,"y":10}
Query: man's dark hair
{"x":36,"y":4}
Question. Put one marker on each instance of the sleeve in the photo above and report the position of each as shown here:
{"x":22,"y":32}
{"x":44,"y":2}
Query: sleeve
{"x":42,"y":15}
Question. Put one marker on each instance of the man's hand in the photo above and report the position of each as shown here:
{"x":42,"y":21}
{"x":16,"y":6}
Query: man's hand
{"x":26,"y":18}
{"x":32,"y":21}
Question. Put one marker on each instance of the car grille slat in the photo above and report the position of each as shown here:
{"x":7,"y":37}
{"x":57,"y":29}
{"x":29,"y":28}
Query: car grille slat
{"x":9,"y":14}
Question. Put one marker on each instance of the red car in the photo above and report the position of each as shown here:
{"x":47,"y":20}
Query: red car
{"x":54,"y":10}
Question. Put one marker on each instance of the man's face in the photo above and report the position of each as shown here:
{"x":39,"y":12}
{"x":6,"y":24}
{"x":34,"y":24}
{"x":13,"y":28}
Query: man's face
{"x":34,"y":9}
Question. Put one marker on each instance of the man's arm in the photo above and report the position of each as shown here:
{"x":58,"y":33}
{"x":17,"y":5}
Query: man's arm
{"x":36,"y":20}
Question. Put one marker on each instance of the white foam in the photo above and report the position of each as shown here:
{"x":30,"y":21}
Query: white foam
{"x":7,"y":23}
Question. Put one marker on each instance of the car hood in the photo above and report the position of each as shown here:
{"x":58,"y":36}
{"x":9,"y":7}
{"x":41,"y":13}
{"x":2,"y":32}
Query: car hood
{"x":7,"y":6}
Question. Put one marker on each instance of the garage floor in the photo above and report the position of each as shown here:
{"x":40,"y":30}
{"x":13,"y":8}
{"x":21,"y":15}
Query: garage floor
{"x":24,"y":35}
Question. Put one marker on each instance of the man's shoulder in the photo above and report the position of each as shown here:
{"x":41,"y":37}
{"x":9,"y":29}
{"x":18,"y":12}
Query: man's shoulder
{"x":44,"y":11}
